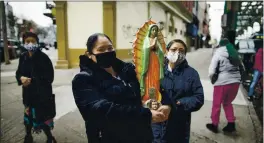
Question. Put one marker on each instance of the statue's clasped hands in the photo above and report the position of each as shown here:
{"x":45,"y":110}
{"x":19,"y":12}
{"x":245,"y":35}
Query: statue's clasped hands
{"x":153,"y":43}
{"x":161,"y":114}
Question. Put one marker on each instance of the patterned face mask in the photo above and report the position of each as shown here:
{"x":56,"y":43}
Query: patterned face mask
{"x":172,"y":56}
{"x":31,"y":47}
{"x":181,"y":58}
{"x":176,"y":57}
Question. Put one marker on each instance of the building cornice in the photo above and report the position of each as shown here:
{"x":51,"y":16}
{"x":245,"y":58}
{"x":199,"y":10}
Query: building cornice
{"x":178,"y":9}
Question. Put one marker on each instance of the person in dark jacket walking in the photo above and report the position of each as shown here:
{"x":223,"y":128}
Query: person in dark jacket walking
{"x":107,"y":94}
{"x":182,"y":85}
{"x":35,"y":73}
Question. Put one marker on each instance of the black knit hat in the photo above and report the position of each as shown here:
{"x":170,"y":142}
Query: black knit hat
{"x":30,"y":34}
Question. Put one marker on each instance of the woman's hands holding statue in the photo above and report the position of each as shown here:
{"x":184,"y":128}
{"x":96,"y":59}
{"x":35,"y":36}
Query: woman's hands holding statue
{"x":165,"y":109}
{"x":161,"y":114}
{"x":158,"y":116}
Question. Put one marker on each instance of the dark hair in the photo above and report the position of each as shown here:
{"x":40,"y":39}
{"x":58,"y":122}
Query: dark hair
{"x":92,"y":39}
{"x":177,"y":41}
{"x":151,"y":101}
{"x":30,"y":34}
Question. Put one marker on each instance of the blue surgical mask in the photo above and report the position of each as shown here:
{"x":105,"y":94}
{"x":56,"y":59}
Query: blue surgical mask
{"x":31,"y":47}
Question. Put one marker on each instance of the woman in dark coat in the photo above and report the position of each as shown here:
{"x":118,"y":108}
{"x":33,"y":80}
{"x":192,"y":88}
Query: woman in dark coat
{"x":182,"y":85}
{"x":107,"y":93}
{"x":35,"y":73}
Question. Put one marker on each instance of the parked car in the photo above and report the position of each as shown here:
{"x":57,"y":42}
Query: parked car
{"x":17,"y":46}
{"x":13,"y":49}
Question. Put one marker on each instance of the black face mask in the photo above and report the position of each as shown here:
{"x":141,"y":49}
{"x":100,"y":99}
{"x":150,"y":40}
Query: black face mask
{"x":105,"y":60}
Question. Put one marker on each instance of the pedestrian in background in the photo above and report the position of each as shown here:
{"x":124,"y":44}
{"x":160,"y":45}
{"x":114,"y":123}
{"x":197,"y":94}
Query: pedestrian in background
{"x":107,"y":94}
{"x":258,"y":68}
{"x":224,"y":73}
{"x":35,"y":73}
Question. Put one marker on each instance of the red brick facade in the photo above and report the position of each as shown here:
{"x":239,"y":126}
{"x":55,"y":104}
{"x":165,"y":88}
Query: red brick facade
{"x":188,"y":5}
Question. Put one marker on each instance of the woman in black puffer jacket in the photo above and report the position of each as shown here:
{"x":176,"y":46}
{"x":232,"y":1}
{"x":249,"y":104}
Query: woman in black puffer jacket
{"x":107,"y":93}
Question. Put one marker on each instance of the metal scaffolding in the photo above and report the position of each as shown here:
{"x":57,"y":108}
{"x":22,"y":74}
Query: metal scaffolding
{"x":239,"y":15}
{"x":248,"y":13}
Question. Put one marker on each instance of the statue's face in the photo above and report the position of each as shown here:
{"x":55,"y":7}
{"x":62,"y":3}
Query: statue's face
{"x":154,"y":31}
{"x":154,"y":105}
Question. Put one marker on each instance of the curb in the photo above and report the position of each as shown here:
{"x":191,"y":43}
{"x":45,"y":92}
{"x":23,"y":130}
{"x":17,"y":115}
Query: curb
{"x":258,"y":129}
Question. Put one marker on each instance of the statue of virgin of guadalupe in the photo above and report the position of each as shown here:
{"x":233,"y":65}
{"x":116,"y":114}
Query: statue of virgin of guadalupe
{"x":149,"y":49}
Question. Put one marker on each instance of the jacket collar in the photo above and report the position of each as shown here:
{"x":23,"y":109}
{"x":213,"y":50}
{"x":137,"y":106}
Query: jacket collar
{"x":178,"y":69}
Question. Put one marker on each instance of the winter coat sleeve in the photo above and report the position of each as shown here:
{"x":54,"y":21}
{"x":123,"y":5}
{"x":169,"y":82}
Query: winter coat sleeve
{"x":93,"y":105}
{"x":46,"y":74}
{"x":165,"y":100}
{"x":18,"y":71}
{"x":196,"y":100}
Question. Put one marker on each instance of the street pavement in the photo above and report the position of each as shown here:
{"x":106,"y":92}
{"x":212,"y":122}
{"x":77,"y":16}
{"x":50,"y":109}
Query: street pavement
{"x":69,"y":125}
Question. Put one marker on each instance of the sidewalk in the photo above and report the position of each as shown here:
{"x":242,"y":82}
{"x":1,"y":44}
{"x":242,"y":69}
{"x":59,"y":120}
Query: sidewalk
{"x":69,"y":125}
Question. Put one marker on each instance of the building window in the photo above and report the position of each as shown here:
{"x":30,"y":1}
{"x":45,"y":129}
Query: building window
{"x":181,"y":32}
{"x":171,"y":27}
{"x":176,"y":30}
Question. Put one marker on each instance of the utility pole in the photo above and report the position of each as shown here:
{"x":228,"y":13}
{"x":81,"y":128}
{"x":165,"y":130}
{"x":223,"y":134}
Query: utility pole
{"x":6,"y":53}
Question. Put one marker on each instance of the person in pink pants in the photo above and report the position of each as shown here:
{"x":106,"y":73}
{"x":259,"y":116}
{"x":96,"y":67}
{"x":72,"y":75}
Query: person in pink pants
{"x":224,"y":95}
{"x":225,"y":63}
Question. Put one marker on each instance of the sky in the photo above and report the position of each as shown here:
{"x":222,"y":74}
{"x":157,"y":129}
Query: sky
{"x":215,"y":12}
{"x":32,"y":11}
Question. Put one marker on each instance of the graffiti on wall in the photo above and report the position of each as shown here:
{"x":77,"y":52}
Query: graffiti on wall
{"x":129,"y":31}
